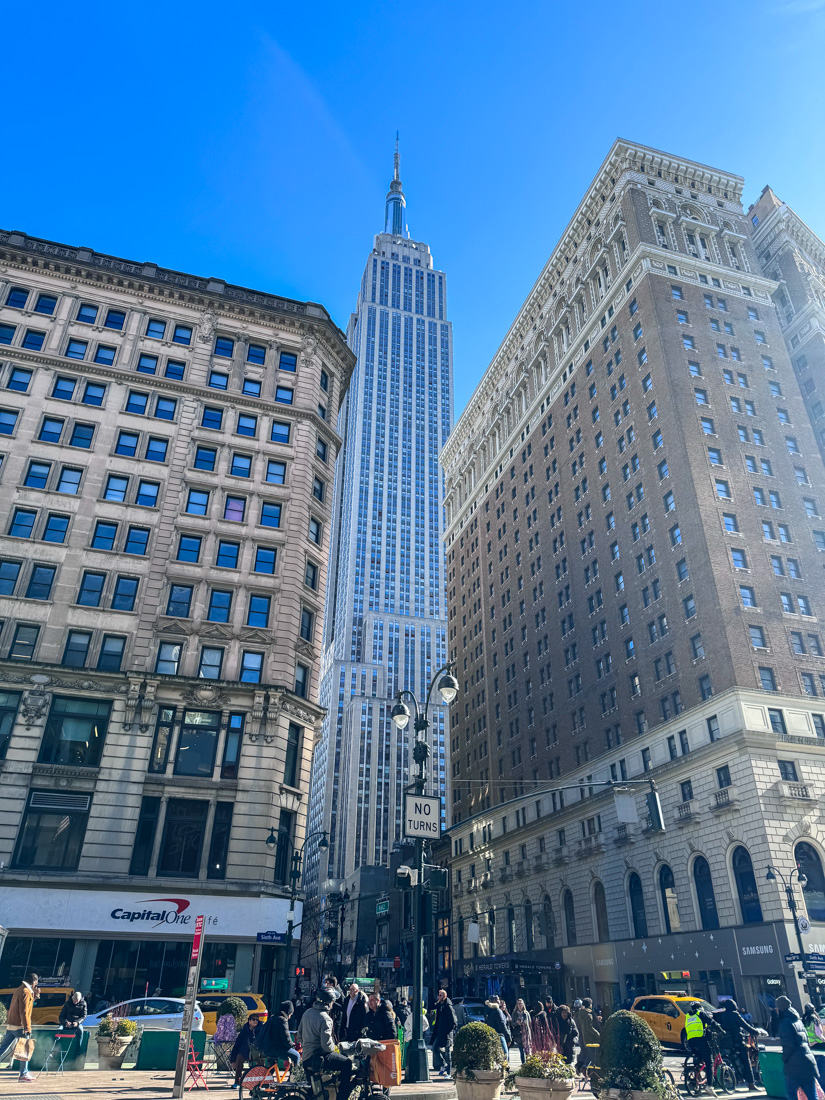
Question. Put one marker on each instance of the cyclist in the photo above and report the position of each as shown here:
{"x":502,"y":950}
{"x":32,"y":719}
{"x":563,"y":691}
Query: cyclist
{"x":698,"y":1025}
{"x":733,"y":1025}
{"x":315,"y":1033}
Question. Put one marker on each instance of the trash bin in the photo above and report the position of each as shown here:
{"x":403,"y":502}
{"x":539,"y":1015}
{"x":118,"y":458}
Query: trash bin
{"x":773,"y":1078}
{"x":159,"y":1049}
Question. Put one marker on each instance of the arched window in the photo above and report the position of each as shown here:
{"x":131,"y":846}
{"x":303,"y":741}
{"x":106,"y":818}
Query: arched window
{"x":637,"y":906}
{"x":704,"y":894}
{"x":549,"y":924}
{"x":511,"y":929}
{"x":528,"y":926}
{"x":569,"y":919}
{"x":746,"y":887}
{"x":670,"y":904}
{"x":600,"y":905}
{"x":809,"y":863}
{"x":491,"y":932}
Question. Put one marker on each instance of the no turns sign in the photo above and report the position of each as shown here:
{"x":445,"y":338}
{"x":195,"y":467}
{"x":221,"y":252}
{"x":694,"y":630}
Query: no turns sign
{"x":422,"y":816}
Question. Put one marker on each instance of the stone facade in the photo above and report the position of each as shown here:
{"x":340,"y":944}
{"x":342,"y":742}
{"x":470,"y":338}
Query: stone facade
{"x":168,"y":448}
{"x":633,"y":554}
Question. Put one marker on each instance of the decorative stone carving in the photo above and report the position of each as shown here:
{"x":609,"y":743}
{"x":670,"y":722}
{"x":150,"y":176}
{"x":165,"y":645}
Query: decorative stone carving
{"x":206,"y":696}
{"x":34,"y":706}
{"x":209,"y":321}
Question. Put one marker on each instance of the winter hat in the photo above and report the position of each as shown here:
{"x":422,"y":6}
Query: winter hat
{"x":782,"y":1004}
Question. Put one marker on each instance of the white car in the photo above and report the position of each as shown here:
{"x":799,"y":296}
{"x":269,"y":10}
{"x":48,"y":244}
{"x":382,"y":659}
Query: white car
{"x":160,"y":1013}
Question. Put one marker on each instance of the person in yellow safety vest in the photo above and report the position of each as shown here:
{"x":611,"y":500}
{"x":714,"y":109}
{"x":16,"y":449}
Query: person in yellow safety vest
{"x":813,"y":1026}
{"x":697,"y":1026}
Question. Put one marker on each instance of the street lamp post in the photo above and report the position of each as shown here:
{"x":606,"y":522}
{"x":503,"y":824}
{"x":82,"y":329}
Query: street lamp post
{"x":341,"y":914}
{"x":417,"y":1067}
{"x":772,"y":872}
{"x":294,"y":879}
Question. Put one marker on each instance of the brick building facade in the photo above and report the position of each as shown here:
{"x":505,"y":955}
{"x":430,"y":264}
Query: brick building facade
{"x":167,"y":445}
{"x":634,"y":576}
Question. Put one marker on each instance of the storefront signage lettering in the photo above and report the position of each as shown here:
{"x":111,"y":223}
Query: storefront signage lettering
{"x":759,"y":949}
{"x":178,"y":915}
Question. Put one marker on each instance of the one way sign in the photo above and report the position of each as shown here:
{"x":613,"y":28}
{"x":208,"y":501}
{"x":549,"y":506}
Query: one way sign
{"x":422,"y":816}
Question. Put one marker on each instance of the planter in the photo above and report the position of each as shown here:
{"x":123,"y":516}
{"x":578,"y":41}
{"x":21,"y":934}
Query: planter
{"x":111,"y":1051}
{"x":544,"y":1088}
{"x":628,"y":1094}
{"x":485,"y":1085}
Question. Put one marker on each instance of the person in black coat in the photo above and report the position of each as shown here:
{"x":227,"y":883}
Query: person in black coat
{"x":74,"y":1012}
{"x":732,"y":1023}
{"x":355,"y":1014}
{"x":441,"y":1036}
{"x":798,"y":1064}
{"x":336,"y":1008}
{"x":568,"y":1033}
{"x":380,"y":1022}
{"x":240,"y":1051}
{"x":276,"y":1041}
{"x":496,"y":1019}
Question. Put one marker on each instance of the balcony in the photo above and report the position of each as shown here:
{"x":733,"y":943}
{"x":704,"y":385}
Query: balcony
{"x":590,"y":846}
{"x":486,"y":880}
{"x":726,"y":798}
{"x":561,"y":856}
{"x":521,"y":869}
{"x":797,"y":792}
{"x":472,"y":886}
{"x":540,"y":863}
{"x":623,"y":835}
{"x":458,"y":889}
{"x":505,"y":874}
{"x":686,"y":812}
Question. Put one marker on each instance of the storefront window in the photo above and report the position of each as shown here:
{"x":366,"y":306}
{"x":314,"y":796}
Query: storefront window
{"x":600,"y":905}
{"x":705,"y":896}
{"x":809,"y":863}
{"x":670,"y":903}
{"x":75,"y":731}
{"x":52,"y":832}
{"x":124,"y":969}
{"x":197,"y":743}
{"x":746,"y":887}
{"x":569,"y":918}
{"x":50,"y":958}
{"x":183,"y":835}
{"x":637,"y":906}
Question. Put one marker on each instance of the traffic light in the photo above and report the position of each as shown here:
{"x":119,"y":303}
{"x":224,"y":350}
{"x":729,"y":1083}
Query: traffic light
{"x":300,"y":971}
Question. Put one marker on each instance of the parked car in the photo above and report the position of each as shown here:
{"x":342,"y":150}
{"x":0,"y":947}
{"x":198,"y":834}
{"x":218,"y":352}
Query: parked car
{"x":158,"y":1013}
{"x":211,"y":1002}
{"x":469,"y":1012}
{"x":666,"y":1015}
{"x":49,"y":1002}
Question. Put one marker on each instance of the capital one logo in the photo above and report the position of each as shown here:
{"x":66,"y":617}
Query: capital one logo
{"x":175,"y":915}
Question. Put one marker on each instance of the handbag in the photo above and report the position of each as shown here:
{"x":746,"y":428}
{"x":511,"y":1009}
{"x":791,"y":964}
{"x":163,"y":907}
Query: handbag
{"x":23,"y":1049}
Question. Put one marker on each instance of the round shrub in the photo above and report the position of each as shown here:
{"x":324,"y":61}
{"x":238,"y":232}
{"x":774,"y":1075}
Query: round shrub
{"x":110,"y":1027}
{"x":631,"y":1057}
{"x":476,"y":1046}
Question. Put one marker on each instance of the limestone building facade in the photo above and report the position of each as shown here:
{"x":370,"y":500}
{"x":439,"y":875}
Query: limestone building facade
{"x":634,"y":567}
{"x":167,"y":447}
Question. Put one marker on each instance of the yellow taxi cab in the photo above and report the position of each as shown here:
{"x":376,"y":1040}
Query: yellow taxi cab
{"x":666,"y":1012}
{"x":46,"y":1009}
{"x":211,"y":1002}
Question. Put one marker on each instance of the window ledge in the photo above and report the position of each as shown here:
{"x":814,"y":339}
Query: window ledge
{"x":67,"y":770}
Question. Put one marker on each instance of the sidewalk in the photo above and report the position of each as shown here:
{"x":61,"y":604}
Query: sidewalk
{"x":109,"y":1085}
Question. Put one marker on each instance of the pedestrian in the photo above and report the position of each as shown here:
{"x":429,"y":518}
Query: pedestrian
{"x":798,"y":1063}
{"x":520,"y":1025}
{"x":568,"y":1033}
{"x":589,"y":1034}
{"x":380,"y":1023}
{"x":355,"y":1014}
{"x":243,"y":1044}
{"x":19,"y":1020}
{"x":441,"y":1038}
{"x":733,"y":1024}
{"x":539,"y":1027}
{"x":276,"y":1041}
{"x":336,"y":1007}
{"x":402,"y":1011}
{"x":496,"y":1019}
{"x":816,"y":1037}
{"x":73,"y":1013}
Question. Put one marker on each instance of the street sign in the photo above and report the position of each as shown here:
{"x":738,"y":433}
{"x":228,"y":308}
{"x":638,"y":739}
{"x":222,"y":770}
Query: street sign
{"x":385,"y":964}
{"x":271,"y":937}
{"x":217,"y":985}
{"x":396,"y":962}
{"x":382,"y":907}
{"x":188,"y":1009}
{"x":793,"y":957}
{"x":422,"y":816}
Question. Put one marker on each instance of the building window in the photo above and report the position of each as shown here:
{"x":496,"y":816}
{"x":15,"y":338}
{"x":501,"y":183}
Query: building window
{"x":809,"y":863}
{"x":183,"y":836}
{"x":746,"y":887}
{"x":705,"y":897}
{"x":569,"y":911}
{"x":670,"y":903}
{"x":232,"y":746}
{"x":24,"y":642}
{"x":9,"y":702}
{"x":258,"y":613}
{"x":283,"y":852}
{"x":75,"y":732}
{"x":168,"y":661}
{"x":52,"y":831}
{"x":162,"y":740}
{"x":219,"y":844}
{"x":271,"y":514}
{"x":211,"y":661}
{"x":205,"y":458}
{"x":145,"y":835}
{"x":301,"y":680}
{"x":40,"y":582}
{"x":111,"y":653}
{"x":293,"y":755}
{"x":220,"y":606}
{"x":251,"y":667}
{"x":235,"y":509}
{"x":125,"y":594}
{"x":77,"y":649}
{"x":198,"y":741}
{"x":307,"y":624}
{"x":91,"y":589}
{"x":265,"y":557}
{"x":280,"y":432}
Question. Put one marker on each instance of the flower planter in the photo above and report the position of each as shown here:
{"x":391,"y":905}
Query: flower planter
{"x":485,"y":1084}
{"x":111,"y":1051}
{"x":544,"y":1088}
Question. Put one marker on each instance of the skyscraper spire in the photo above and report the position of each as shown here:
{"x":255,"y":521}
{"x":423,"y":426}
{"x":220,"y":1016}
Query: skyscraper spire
{"x":396,"y":204}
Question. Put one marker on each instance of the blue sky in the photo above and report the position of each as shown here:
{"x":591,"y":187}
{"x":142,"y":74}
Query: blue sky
{"x":254,"y":141}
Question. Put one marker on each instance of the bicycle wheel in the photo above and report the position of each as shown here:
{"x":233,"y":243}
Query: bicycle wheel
{"x":689,"y":1077}
{"x":668,"y":1078}
{"x":725,"y":1078}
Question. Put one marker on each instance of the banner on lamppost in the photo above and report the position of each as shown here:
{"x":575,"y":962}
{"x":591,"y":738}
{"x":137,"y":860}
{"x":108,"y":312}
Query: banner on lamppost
{"x":188,"y":1010}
